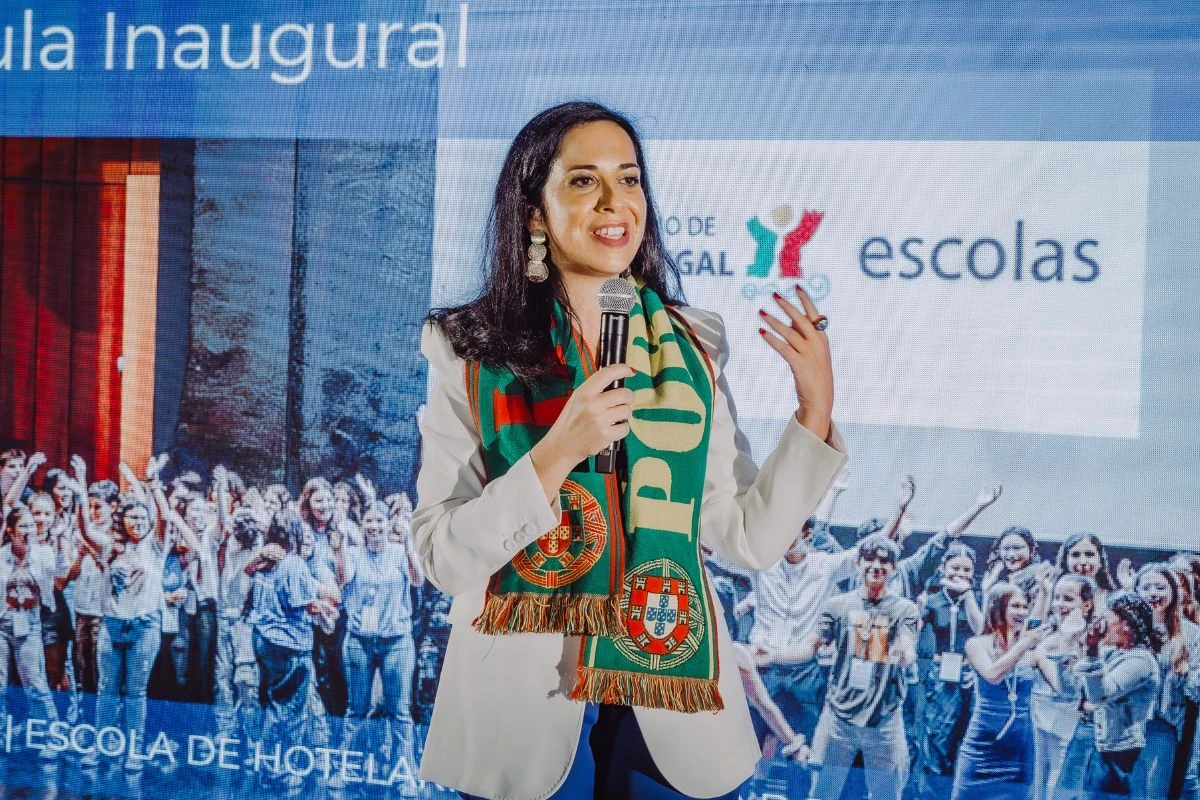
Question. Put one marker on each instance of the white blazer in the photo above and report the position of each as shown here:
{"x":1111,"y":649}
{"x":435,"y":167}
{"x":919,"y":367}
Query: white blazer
{"x":503,"y":724}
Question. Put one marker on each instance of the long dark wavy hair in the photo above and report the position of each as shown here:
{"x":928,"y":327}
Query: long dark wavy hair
{"x":1014,"y":530}
{"x":509,"y":322}
{"x":1104,"y":578}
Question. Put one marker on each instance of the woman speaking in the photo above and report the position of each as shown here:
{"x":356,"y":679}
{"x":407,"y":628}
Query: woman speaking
{"x":587,"y":655}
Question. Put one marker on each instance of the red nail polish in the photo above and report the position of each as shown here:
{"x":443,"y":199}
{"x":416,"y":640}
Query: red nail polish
{"x":800,"y":288}
{"x":762,"y":312}
{"x":777,"y":295}
{"x":762,"y":331}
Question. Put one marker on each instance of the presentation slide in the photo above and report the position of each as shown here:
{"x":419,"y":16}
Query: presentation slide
{"x":224,"y":228}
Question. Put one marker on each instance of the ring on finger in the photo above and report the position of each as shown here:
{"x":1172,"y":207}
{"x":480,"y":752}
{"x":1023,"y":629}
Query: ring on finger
{"x":821,"y":322}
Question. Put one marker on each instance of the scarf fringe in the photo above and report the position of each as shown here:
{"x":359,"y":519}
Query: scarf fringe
{"x":538,"y":613}
{"x":618,"y":687}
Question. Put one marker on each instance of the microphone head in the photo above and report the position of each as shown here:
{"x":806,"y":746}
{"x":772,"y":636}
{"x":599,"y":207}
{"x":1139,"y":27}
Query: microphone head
{"x":616,"y":294}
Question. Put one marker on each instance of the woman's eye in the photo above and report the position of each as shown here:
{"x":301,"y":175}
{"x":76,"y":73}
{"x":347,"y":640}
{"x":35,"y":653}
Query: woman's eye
{"x":582,"y":180}
{"x":632,"y":180}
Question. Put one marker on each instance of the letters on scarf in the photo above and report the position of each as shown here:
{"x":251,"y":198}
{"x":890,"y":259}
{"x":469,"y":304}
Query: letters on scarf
{"x":623,"y":569}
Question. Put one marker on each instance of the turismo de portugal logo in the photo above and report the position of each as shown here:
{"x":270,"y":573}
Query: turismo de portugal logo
{"x":774,"y":240}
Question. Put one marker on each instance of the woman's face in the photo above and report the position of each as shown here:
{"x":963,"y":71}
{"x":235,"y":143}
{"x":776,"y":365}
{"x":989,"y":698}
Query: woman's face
{"x":12,"y":470}
{"x":1067,"y":598}
{"x":1017,"y":613}
{"x":99,"y":511}
{"x":375,"y":530}
{"x":1084,"y":558}
{"x":137,"y":523}
{"x":593,"y":208}
{"x":42,"y":510}
{"x":307,"y":544}
{"x":1014,"y":552}
{"x":1117,"y":632}
{"x":63,"y":495}
{"x":273,"y":502}
{"x":21,"y":534}
{"x":959,"y":570}
{"x":341,"y":499}
{"x":1155,"y":590}
{"x":322,"y":504}
{"x":198,"y":516}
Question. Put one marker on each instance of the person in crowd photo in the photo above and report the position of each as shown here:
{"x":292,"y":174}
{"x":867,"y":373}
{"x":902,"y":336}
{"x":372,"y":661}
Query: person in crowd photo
{"x":1014,"y":558}
{"x":96,"y":506}
{"x":56,"y":616}
{"x":284,"y":597}
{"x":995,"y":758}
{"x":1183,"y":775}
{"x":1158,"y":585}
{"x":27,"y":571}
{"x":786,"y":600}
{"x":1084,"y":554}
{"x":16,"y":472}
{"x":872,"y":634}
{"x":501,"y":500}
{"x":235,"y":669}
{"x":1119,"y":675}
{"x":377,"y":579}
{"x":134,"y":559}
{"x":169,"y":675}
{"x":1054,"y":705}
{"x":319,"y":511}
{"x":950,"y":615}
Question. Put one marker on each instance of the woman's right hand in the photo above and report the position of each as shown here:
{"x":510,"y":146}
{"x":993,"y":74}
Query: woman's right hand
{"x":1095,"y":632}
{"x":591,"y":420}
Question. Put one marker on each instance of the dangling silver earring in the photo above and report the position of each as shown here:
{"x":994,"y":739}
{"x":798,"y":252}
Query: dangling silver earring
{"x":535,"y":268}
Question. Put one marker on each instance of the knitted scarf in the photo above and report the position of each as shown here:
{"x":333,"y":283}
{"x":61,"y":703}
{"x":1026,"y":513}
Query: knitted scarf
{"x":623,"y":568}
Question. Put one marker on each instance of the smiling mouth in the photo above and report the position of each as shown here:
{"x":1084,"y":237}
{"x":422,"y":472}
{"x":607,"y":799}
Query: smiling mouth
{"x":612,"y":234}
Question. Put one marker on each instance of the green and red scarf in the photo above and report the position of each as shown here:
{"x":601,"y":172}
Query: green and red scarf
{"x":623,"y":568}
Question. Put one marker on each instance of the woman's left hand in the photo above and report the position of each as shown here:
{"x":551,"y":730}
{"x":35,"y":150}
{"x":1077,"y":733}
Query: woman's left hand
{"x":806,"y":350}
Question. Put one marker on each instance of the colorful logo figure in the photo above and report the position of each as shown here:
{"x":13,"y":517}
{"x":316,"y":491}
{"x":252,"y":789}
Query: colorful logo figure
{"x":767,"y":240}
{"x":569,"y":550}
{"x":657,"y":605}
{"x":769,"y":251}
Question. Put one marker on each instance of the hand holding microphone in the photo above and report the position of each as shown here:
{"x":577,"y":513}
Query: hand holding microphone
{"x":597,"y":413}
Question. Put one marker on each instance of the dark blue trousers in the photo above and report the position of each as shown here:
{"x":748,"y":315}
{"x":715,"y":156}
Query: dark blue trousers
{"x":612,"y":761}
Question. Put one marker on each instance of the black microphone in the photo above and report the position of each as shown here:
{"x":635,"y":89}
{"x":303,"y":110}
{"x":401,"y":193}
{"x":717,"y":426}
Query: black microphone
{"x":616,"y":299}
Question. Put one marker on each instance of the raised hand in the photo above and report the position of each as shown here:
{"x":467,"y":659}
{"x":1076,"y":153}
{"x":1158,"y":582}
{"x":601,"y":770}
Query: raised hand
{"x":908,"y":490}
{"x":806,"y":351}
{"x":79,"y":470}
{"x":1095,"y":632}
{"x":155,"y":466}
{"x":1126,"y":575}
{"x":128,"y":474}
{"x":956,"y":584}
{"x":988,"y":496}
{"x":366,"y":487}
{"x":35,"y":461}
